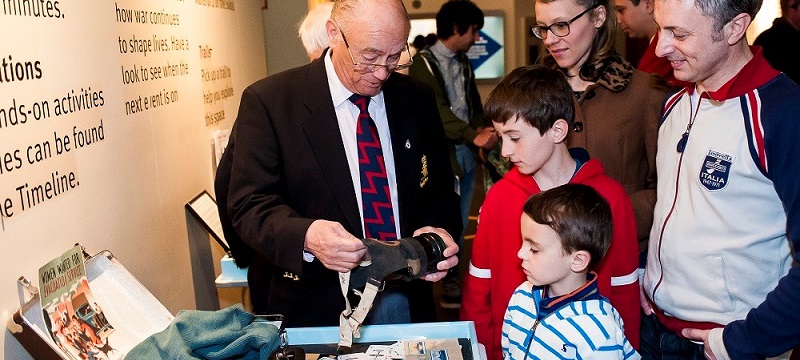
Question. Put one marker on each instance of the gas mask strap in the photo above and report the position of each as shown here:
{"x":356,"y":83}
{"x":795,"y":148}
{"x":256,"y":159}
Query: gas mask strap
{"x":350,"y":320}
{"x":345,"y":331}
{"x":364,"y":305}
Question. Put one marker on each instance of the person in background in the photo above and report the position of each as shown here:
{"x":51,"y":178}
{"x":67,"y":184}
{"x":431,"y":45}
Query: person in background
{"x":336,"y":150}
{"x":635,"y":18}
{"x":430,"y":39}
{"x":558,"y":312}
{"x":619,"y":106}
{"x":312,"y":30}
{"x":419,"y":42}
{"x":406,"y":58}
{"x":532,"y":108}
{"x":719,"y":282}
{"x":781,"y":42}
{"x":444,"y":66}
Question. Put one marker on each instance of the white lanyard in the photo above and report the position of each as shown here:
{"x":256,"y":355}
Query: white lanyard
{"x":350,"y":320}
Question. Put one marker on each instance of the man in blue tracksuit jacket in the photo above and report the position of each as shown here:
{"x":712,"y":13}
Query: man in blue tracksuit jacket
{"x":719,"y":266}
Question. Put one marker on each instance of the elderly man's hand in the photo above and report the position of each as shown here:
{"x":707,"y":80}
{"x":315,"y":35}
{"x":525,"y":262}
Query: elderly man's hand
{"x":450,"y":253}
{"x":336,"y":248}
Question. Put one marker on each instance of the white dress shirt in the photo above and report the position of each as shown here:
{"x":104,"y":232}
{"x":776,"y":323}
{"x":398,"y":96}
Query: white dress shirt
{"x":347,"y":115}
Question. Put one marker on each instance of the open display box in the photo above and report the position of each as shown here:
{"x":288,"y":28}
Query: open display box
{"x":127,"y":304}
{"x":136,"y":314}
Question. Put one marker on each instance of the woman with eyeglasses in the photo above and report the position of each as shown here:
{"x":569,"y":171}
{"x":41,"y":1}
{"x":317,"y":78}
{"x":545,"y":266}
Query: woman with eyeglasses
{"x":617,"y":120}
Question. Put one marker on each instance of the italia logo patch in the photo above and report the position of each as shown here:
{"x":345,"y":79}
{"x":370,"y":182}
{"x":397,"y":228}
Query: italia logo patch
{"x":715,"y":170}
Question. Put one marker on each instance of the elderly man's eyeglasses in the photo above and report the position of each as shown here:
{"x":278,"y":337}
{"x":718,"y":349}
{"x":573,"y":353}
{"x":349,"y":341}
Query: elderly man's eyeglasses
{"x":367,"y":67}
{"x":560,"y":28}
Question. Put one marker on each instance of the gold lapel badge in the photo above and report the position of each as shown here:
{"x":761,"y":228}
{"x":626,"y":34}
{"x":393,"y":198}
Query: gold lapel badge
{"x":424,"y":179}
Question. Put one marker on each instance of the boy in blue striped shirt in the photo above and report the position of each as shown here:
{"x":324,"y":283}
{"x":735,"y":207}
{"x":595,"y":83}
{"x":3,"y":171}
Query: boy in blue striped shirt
{"x":558,"y":312}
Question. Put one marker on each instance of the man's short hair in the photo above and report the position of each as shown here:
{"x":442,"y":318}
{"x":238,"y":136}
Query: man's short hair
{"x":535,"y":93}
{"x":461,"y":13}
{"x":723,"y":11}
{"x":578,"y":214}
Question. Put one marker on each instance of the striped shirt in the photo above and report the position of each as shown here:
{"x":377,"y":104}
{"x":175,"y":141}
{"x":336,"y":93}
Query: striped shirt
{"x":580,"y":329}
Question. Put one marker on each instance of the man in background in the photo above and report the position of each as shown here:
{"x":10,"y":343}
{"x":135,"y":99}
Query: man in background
{"x":635,"y":17}
{"x":445,"y":67}
{"x":781,"y":42}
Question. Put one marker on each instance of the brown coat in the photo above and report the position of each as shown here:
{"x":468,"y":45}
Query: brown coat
{"x":618,"y":124}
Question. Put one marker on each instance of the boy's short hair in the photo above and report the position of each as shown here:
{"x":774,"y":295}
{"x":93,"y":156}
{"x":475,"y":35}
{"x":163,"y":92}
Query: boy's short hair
{"x":534,"y":93}
{"x":578,"y":214}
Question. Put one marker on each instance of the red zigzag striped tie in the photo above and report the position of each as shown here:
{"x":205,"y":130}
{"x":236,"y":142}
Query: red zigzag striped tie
{"x":375,"y":198}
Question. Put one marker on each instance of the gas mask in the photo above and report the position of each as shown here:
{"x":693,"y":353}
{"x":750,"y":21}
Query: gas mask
{"x":406,"y":259}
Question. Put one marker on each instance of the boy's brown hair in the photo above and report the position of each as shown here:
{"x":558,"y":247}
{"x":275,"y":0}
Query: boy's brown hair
{"x":578,"y":214}
{"x":534,"y":93}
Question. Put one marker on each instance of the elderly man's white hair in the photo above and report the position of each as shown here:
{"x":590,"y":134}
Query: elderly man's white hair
{"x":312,"y":29}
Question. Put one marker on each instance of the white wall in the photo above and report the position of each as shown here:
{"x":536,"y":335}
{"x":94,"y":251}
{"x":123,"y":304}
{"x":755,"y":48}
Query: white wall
{"x":130,"y":187}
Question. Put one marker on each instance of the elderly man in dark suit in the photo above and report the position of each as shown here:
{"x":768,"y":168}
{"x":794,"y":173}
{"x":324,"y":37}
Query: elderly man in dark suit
{"x":299,"y":196}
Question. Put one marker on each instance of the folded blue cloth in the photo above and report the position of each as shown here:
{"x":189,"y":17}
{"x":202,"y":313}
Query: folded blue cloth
{"x":229,"y":333}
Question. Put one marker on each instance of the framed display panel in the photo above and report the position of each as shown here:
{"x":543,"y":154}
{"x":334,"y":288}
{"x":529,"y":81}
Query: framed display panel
{"x":204,"y":208}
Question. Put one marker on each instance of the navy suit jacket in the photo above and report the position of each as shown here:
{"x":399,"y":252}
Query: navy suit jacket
{"x":287,"y":167}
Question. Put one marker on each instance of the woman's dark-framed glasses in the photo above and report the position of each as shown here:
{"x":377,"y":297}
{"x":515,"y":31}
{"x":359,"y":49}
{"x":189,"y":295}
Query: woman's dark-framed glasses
{"x":368,"y":68}
{"x":560,"y":28}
